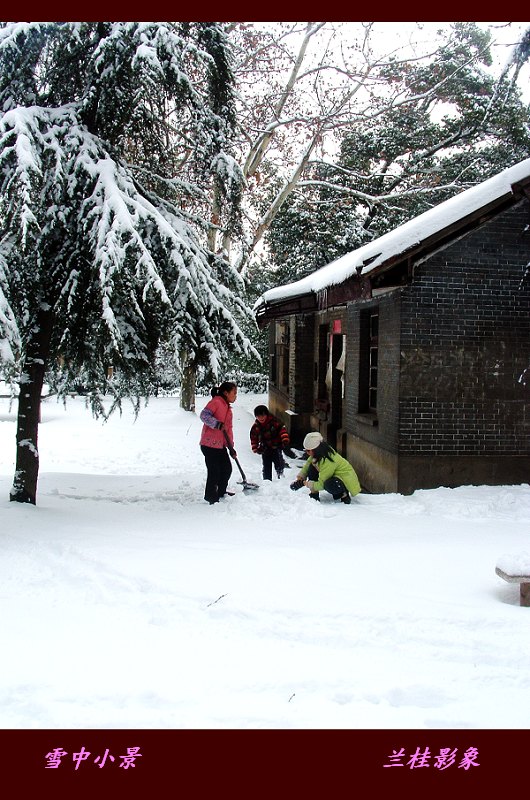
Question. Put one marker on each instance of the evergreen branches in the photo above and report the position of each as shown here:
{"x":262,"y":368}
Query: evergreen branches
{"x":94,"y":219}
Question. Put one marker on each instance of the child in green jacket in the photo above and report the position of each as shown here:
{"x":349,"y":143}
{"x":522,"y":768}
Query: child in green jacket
{"x":326,"y":469}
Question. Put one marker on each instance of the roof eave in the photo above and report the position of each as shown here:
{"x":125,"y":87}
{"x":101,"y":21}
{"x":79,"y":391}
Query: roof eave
{"x":308,"y":301}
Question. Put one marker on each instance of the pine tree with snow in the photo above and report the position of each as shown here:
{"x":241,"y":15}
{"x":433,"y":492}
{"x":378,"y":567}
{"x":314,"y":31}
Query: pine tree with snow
{"x":111,"y":137}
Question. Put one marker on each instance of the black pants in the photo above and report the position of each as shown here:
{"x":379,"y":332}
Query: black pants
{"x":219,"y":469}
{"x":269,"y":457}
{"x":333,"y":485}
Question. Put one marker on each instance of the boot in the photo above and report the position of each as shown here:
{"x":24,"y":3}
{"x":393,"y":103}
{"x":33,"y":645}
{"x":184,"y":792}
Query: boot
{"x":314,"y":496}
{"x":346,"y":498}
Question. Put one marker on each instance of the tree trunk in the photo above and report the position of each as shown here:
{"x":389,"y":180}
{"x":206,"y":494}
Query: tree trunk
{"x":281,"y":197}
{"x":24,"y":488}
{"x":188,"y":379}
{"x":255,"y":157}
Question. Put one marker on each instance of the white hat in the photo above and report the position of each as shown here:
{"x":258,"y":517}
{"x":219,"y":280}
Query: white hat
{"x":312,"y":440}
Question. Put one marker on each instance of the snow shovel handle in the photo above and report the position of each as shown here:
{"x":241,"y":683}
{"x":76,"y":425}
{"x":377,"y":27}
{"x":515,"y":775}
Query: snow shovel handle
{"x":229,"y":443}
{"x":231,"y":447}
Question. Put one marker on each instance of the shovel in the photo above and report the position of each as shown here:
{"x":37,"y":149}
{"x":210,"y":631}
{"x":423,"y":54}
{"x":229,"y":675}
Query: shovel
{"x":246,"y":484}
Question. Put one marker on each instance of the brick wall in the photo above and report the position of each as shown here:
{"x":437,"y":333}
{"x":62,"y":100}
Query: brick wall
{"x":295,"y":405}
{"x":465,"y":341}
{"x":302,"y":362}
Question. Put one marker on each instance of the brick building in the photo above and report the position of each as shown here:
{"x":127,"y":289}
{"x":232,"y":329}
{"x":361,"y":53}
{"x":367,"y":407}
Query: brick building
{"x":411,"y":354}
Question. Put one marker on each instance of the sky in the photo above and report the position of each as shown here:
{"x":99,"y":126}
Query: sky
{"x":127,"y":601}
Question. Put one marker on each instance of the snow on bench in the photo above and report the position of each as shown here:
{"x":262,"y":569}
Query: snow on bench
{"x":516,"y":569}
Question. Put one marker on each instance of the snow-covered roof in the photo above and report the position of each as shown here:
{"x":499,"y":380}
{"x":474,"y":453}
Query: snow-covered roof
{"x":410,"y":234}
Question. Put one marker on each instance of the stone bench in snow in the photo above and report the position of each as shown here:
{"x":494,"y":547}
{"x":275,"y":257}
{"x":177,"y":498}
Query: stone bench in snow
{"x":516,"y":569}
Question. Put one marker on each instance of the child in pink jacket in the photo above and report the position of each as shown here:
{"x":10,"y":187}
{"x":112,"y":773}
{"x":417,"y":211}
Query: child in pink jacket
{"x":217,"y":419}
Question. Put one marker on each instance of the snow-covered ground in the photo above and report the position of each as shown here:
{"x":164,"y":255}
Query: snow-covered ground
{"x":126,"y":601}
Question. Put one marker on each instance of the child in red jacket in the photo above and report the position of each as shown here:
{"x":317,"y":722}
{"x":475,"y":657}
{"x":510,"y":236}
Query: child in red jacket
{"x":269,"y":438}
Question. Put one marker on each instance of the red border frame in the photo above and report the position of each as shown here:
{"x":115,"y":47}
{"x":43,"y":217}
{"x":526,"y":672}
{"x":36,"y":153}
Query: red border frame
{"x":268,"y":764}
